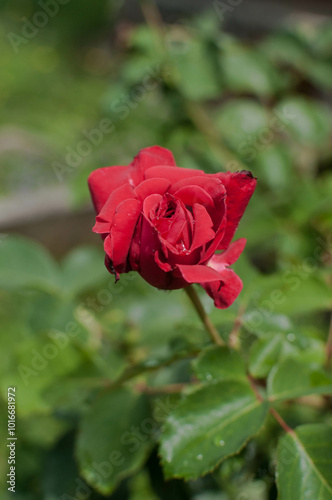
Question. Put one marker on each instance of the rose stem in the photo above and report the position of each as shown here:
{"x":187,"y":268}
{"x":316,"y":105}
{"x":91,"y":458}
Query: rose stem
{"x":212,"y":331}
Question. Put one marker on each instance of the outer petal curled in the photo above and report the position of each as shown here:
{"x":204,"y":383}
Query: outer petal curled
{"x":239,"y":189}
{"x":226,"y":291}
{"x":117,"y":244}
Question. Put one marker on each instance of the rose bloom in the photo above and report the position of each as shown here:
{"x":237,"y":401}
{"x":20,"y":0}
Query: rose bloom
{"x":169,"y":223}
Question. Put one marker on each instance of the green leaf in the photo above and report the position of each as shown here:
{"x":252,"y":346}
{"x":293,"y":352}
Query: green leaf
{"x":264,"y":354}
{"x":262,"y":323}
{"x":299,"y":290}
{"x":25,"y":264}
{"x":83,"y":269}
{"x":292,"y":379}
{"x":140,"y":487}
{"x":209,"y":425}
{"x":196,"y":74}
{"x":274,"y":166}
{"x":308,"y":121}
{"x":239,"y":122}
{"x":286,"y":48}
{"x":272,"y":348}
{"x":320,"y":72}
{"x":219,"y":363}
{"x":246,"y":70}
{"x":323,"y":41}
{"x":114,"y":438}
{"x":305,"y":464}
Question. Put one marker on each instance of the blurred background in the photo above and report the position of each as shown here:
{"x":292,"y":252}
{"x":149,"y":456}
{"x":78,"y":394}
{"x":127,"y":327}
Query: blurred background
{"x":226,"y":85}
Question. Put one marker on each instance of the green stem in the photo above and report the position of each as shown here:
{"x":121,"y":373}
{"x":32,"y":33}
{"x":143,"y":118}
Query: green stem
{"x":210,"y":328}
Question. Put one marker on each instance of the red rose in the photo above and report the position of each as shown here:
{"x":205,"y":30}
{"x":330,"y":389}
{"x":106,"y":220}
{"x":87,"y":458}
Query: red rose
{"x":167,"y":222}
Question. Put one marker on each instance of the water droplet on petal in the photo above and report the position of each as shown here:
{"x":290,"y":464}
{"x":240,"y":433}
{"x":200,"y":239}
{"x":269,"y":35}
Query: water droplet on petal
{"x":199,"y":457}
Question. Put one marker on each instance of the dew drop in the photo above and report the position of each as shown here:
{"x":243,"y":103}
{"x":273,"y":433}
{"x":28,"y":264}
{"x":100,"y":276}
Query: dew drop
{"x":221,"y":443}
{"x":291,"y":337}
{"x":199,"y":457}
{"x":209,"y":376}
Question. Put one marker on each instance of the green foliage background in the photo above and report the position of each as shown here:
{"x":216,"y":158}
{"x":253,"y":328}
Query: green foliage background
{"x":109,"y":376}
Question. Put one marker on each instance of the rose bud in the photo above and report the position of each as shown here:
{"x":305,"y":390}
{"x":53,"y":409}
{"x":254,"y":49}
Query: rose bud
{"x":169,"y":223}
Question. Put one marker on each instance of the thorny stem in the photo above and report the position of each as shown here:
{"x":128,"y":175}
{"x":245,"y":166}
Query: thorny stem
{"x":210,"y":328}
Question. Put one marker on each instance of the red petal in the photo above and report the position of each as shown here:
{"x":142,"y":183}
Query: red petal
{"x":229,"y":256}
{"x":198,"y":274}
{"x":203,"y":227}
{"x":212,"y":185}
{"x":103,"y":181}
{"x":165,"y":266}
{"x":102,"y":227}
{"x":172,"y":174}
{"x":239,"y":188}
{"x":148,"y":268}
{"x":226,"y":291}
{"x":155,"y":155}
{"x":121,"y":194}
{"x":117,"y":244}
{"x":194,"y":194}
{"x":151,"y":186}
{"x":150,"y":203}
{"x":174,"y":232}
{"x":135,"y":247}
{"x":219,"y":234}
